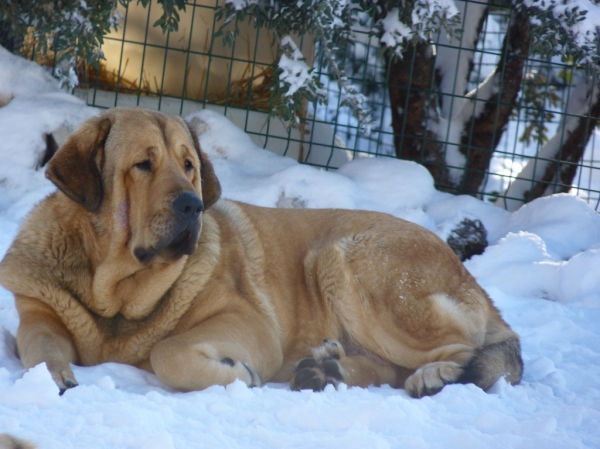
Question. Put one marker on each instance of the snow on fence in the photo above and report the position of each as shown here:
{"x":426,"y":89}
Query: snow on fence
{"x":485,"y":115}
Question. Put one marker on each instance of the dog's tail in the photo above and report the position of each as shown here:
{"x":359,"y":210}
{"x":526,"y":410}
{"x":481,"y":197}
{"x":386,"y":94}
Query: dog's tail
{"x":492,"y":361}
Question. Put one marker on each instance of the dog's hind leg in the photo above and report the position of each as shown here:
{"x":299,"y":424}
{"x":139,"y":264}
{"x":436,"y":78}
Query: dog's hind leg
{"x":499,"y":356}
{"x":431,"y":378}
{"x":490,"y":362}
{"x":330,"y":365}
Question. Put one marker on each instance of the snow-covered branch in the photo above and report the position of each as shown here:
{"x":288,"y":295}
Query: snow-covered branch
{"x":453,"y":62}
{"x":331,"y":24}
{"x":565,"y":27}
{"x":295,"y":73}
{"x":574,"y":123}
{"x":62,"y":35}
{"x":454,"y":57}
{"x":426,"y":19}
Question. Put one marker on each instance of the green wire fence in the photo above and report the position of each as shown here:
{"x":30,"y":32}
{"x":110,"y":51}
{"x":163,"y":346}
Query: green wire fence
{"x":190,"y":69}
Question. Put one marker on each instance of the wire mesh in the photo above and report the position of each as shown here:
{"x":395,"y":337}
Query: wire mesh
{"x":184,"y":71}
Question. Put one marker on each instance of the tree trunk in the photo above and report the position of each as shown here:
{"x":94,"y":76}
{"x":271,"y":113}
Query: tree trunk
{"x":483,"y":132}
{"x":410,"y":82}
{"x":559,"y":174}
{"x":557,"y":161}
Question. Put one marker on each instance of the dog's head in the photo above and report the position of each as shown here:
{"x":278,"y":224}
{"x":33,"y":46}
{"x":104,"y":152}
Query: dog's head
{"x":143,"y":170}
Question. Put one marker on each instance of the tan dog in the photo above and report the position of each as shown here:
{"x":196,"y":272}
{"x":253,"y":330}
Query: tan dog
{"x":135,"y":261}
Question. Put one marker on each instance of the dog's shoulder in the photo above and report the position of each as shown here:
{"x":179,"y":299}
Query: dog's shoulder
{"x":48,"y":249}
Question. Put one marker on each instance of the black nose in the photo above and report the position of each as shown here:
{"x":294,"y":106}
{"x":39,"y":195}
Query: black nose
{"x":188,"y":205}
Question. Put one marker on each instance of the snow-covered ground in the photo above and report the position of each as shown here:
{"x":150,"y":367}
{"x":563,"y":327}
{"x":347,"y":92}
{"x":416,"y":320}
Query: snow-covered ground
{"x":541,"y":269}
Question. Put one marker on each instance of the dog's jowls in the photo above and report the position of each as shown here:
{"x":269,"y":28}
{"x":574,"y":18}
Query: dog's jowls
{"x":136,"y":260}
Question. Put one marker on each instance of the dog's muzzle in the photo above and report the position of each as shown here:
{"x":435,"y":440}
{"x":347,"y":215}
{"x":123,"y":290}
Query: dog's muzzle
{"x":187,"y":208}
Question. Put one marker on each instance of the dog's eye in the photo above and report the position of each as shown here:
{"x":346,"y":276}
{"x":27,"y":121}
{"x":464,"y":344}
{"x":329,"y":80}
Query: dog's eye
{"x":188,"y":165}
{"x":144,"y":165}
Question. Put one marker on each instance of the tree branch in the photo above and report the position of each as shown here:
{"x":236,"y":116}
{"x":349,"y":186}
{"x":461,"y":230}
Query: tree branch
{"x":554,"y":167}
{"x":427,"y":89}
{"x":483,"y":131}
{"x":412,"y":105}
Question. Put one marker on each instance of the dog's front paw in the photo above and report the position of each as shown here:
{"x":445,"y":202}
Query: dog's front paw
{"x":253,"y":378}
{"x":323,"y":368}
{"x":62,"y":375}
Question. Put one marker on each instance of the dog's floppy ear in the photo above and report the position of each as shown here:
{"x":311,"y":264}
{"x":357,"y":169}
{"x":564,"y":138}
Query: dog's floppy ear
{"x":76,"y":167}
{"x":211,"y":187}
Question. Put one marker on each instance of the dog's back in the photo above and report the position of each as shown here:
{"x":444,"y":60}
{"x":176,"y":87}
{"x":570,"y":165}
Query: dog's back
{"x":383,"y":286}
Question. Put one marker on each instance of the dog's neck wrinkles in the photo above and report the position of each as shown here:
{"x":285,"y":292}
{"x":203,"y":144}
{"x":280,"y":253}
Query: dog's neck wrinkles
{"x":117,"y":288}
{"x":120,"y":283}
{"x":99,"y":339}
{"x":136,"y":339}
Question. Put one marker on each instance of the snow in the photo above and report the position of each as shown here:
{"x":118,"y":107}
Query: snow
{"x":295,"y":73}
{"x":394,"y":32}
{"x":541,"y":269}
{"x":240,"y":4}
{"x":37,"y":107}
